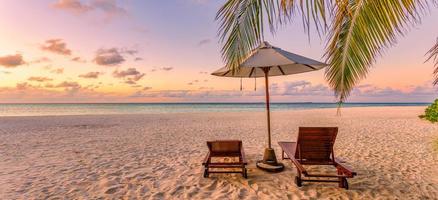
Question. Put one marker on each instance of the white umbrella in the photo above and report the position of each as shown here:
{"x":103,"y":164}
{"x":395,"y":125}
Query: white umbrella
{"x":265,"y":61}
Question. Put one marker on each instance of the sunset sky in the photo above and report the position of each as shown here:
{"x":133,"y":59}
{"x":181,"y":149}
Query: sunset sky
{"x":164,"y":51}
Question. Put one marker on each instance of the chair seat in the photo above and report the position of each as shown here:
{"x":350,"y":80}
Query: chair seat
{"x":314,"y":146}
{"x":225,"y":148}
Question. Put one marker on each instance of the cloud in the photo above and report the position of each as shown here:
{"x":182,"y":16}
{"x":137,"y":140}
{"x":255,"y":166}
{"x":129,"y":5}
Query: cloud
{"x":131,"y":75}
{"x":376,"y":92}
{"x":57,"y":71}
{"x":289,"y":91}
{"x":49,"y":85}
{"x":68,"y":84}
{"x":138,"y":59}
{"x":124,"y":73}
{"x":41,"y":60}
{"x":166,"y":68}
{"x":39,"y":79}
{"x":202,"y":72}
{"x":33,"y":94}
{"x":193,"y":82}
{"x":6,"y":72}
{"x":11,"y":61}
{"x":205,"y":88}
{"x":129,"y":51}
{"x":162,"y":69}
{"x":78,"y":59}
{"x":294,"y":91}
{"x":130,"y":82}
{"x":297,"y":89}
{"x":53,"y":71}
{"x":56,"y":46}
{"x":109,"y":57}
{"x":93,"y":75}
{"x":108,"y":7}
{"x":22,"y":86}
{"x":204,"y":42}
{"x":137,"y":77}
{"x":74,"y":6}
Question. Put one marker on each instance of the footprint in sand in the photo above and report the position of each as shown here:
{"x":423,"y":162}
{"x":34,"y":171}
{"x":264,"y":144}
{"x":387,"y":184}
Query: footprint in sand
{"x":112,"y":190}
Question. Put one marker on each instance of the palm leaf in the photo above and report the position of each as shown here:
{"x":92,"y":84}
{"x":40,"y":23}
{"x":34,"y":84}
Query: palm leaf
{"x":360,"y":31}
{"x":313,"y":12}
{"x":240,"y":30}
{"x":433,"y":56}
{"x":242,"y":23}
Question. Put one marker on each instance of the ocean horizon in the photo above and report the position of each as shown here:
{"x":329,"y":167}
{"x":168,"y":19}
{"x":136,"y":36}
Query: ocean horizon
{"x":50,"y":109}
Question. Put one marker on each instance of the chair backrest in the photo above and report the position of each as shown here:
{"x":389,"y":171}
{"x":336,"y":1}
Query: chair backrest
{"x":315,"y":144}
{"x":225,"y":147}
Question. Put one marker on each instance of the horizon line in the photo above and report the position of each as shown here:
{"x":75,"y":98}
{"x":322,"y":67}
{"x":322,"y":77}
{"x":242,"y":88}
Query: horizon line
{"x":304,"y":102}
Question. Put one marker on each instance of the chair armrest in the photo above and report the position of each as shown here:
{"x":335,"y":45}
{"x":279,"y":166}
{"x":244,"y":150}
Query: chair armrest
{"x":242,"y":153}
{"x":206,"y":159}
{"x":300,"y":167}
{"x":344,"y":169}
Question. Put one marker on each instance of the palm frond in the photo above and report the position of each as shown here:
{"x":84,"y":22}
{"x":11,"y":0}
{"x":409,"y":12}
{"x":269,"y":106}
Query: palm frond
{"x":241,"y":28}
{"x":313,"y":12}
{"x":433,"y":56}
{"x":242,"y":23}
{"x":360,"y":31}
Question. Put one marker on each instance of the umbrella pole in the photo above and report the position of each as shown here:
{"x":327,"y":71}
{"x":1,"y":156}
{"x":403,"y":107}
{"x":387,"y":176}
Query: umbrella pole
{"x":269,"y":162}
{"x":268,"y":111}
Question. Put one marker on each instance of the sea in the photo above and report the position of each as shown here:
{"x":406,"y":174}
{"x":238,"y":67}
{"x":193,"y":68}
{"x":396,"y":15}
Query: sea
{"x":151,"y":108}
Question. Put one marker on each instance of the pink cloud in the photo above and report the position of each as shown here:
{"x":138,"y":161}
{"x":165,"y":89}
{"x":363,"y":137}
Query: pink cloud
{"x":39,"y":79}
{"x":11,"y":61}
{"x":109,"y":8}
{"x":109,"y":57}
{"x":74,"y":6}
{"x":56,"y":46}
{"x":78,"y":59}
{"x":91,"y":75}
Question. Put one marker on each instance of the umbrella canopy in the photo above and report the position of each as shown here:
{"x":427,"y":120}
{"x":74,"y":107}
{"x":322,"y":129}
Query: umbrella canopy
{"x":265,"y":61}
{"x":280,"y":62}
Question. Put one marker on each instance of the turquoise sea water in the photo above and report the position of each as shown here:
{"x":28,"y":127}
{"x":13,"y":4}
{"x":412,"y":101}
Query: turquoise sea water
{"x":144,"y":108}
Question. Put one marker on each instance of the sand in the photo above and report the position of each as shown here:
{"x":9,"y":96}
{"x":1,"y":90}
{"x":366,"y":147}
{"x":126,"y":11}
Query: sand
{"x":158,"y":156}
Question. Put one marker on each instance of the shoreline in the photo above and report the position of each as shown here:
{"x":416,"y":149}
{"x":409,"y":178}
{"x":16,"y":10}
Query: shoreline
{"x":207,"y":111}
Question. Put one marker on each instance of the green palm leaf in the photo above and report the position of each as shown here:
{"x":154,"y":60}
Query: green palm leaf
{"x":241,"y":28}
{"x":359,"y":33}
{"x":433,"y":56}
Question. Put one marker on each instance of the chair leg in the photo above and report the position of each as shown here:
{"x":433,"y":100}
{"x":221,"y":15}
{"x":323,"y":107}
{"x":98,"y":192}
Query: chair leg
{"x":298,"y":181}
{"x":345,"y":183}
{"x":341,"y":182}
{"x":206,"y":172}
{"x":245,"y":173}
{"x":340,"y":179}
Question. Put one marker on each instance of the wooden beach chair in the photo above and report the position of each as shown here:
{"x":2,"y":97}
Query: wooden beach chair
{"x":314,"y":146}
{"x":229,"y":149}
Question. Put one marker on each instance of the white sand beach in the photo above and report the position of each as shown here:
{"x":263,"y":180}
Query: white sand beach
{"x":158,"y":156}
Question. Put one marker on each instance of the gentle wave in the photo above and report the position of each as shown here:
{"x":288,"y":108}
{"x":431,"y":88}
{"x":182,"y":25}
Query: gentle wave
{"x":147,"y":108}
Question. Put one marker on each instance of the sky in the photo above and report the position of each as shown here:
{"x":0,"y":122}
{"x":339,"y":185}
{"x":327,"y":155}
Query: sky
{"x":78,"y":51}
